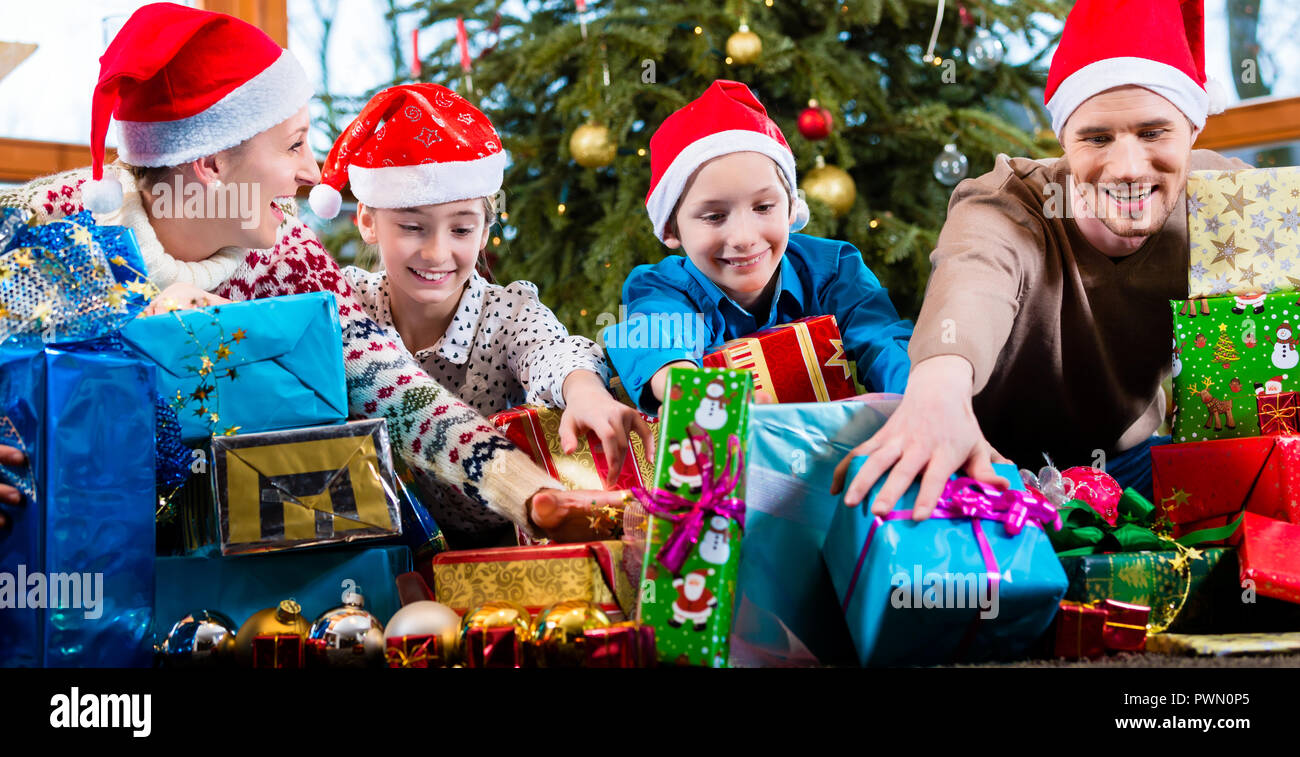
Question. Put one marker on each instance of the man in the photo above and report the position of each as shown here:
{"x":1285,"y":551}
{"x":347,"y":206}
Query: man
{"x":1046,"y":324}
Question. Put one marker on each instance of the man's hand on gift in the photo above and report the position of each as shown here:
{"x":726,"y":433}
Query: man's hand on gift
{"x":572,"y":516}
{"x":8,"y":494}
{"x":589,"y":407}
{"x":182,"y":296}
{"x":933,"y":433}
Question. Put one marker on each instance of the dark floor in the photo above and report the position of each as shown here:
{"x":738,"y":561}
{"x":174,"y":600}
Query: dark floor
{"x":1142,"y":660}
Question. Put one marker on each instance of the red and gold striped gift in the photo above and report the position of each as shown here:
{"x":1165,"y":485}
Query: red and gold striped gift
{"x":801,"y":361}
{"x":536,"y":431}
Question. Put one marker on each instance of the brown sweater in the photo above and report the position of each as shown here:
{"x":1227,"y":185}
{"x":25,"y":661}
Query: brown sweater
{"x":1069,"y":346}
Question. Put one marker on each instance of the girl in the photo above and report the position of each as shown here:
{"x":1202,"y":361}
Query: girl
{"x":206,"y":100}
{"x":424,"y":164}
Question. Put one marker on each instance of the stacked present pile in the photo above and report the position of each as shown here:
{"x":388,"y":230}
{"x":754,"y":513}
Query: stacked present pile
{"x":1231,"y":466}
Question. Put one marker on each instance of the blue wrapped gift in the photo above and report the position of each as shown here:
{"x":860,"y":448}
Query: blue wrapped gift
{"x":260,"y":365}
{"x":76,"y":564}
{"x":316,"y":579}
{"x":786,"y":611}
{"x":977,"y":581}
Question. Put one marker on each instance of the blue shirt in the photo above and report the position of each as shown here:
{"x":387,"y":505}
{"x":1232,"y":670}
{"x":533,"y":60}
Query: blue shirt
{"x":672,"y":311}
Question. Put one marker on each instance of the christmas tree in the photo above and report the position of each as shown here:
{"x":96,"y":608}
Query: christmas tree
{"x":1224,"y":351}
{"x":576,"y":96}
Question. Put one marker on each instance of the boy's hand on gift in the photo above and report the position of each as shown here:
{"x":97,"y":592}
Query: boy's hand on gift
{"x":591,"y":409}
{"x":10,"y":456}
{"x":182,"y":296}
{"x":933,"y":433}
{"x":572,"y":516}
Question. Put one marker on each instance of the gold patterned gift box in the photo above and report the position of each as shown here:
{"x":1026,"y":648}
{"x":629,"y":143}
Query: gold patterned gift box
{"x":303,"y":487}
{"x":536,"y":430}
{"x":1244,"y":229}
{"x":535,"y":577}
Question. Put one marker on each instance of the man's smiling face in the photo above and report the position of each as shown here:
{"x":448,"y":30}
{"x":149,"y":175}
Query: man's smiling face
{"x":1129,"y":150}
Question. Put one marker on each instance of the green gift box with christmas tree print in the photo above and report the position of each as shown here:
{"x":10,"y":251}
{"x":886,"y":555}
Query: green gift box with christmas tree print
{"x":1199,"y":591}
{"x":1230,"y":354}
{"x":696,"y":513}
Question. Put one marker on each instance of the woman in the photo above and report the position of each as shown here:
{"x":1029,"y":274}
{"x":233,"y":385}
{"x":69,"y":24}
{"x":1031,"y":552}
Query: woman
{"x":213,"y":115}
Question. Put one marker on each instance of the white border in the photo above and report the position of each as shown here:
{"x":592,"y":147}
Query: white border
{"x":427,"y":183}
{"x":269,"y":98}
{"x":663,"y":199}
{"x":1099,"y":76}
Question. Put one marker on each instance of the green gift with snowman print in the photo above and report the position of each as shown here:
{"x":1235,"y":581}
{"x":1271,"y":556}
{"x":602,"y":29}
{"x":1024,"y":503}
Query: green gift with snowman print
{"x":1235,"y":362}
{"x":696,"y":515}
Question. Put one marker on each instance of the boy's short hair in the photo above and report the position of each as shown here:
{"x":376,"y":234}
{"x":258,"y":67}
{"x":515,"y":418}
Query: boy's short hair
{"x":672,"y":217}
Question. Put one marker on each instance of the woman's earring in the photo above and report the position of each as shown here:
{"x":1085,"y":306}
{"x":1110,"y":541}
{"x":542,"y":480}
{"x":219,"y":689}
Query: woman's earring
{"x":216,"y":184}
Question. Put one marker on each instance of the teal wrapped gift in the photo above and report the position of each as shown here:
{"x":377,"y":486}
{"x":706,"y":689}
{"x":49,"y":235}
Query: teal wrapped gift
{"x":786,"y":610}
{"x":316,"y":579}
{"x":76,"y":561}
{"x":978,"y":581}
{"x":260,"y":365}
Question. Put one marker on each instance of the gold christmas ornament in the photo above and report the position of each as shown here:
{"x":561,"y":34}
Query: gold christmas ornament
{"x":744,"y":47}
{"x":428,"y":618}
{"x":592,"y":146}
{"x":558,"y":630}
{"x":284,"y":620}
{"x":499,"y":614}
{"x":831,"y":185}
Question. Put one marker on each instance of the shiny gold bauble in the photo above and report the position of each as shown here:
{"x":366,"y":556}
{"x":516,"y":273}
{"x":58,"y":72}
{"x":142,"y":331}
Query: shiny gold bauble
{"x":284,"y":620}
{"x":428,"y":618}
{"x":592,"y":146}
{"x":831,"y":185}
{"x":499,"y":614}
{"x":557,"y":632}
{"x":744,"y":47}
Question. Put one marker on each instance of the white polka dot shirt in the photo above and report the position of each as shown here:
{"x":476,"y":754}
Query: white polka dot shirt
{"x":503,"y":347}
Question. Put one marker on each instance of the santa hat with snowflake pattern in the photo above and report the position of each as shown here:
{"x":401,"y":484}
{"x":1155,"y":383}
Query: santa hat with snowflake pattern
{"x":412,"y":145}
{"x":727,"y":118}
{"x":1155,"y":44}
{"x":183,"y":84}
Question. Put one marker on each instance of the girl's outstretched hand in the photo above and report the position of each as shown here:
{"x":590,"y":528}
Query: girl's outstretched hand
{"x":570,"y":516}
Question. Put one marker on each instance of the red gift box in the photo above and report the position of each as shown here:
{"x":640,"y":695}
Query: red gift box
{"x":1270,"y":557}
{"x":1126,"y":626}
{"x":625,"y":645}
{"x":492,"y":648}
{"x":1091,"y":630}
{"x":1080,"y":630}
{"x":283,"y":651}
{"x":1277,"y":413}
{"x":536,"y":431}
{"x":1200,"y":480}
{"x":415,"y":652}
{"x":824,"y":373}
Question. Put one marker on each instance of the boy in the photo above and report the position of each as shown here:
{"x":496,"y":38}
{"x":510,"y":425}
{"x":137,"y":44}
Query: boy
{"x":722,"y":190}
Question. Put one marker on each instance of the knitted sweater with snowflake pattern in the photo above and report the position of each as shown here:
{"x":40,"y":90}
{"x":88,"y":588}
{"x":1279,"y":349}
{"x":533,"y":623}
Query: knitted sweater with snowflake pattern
{"x":431,"y":428}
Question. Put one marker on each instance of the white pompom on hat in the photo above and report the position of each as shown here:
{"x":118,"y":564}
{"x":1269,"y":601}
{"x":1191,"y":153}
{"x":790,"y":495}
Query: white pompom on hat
{"x":184,"y":84}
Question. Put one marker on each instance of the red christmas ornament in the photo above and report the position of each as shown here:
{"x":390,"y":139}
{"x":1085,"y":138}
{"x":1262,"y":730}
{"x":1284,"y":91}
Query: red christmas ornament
{"x":815,"y":122}
{"x":1097,"y":488}
{"x":964,"y":14}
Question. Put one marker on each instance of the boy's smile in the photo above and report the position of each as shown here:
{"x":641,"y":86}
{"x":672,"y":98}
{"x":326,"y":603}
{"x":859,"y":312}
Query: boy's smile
{"x":733,"y":222}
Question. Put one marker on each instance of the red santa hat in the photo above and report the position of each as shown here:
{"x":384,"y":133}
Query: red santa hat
{"x":1155,"y":44}
{"x":727,"y":118}
{"x":412,"y":145}
{"x":184,"y":84}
